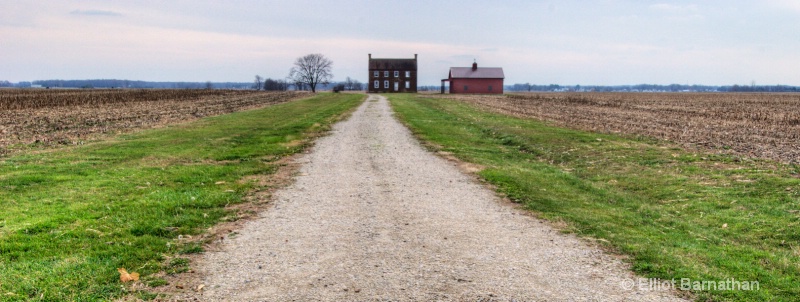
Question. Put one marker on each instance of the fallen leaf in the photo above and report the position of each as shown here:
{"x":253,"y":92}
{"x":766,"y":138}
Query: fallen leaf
{"x":124,"y":276}
{"x":219,"y":182}
{"x":724,"y":225}
{"x":200,"y":287}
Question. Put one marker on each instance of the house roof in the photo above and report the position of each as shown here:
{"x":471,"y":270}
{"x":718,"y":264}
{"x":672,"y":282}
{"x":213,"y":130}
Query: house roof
{"x":396,"y":64}
{"x":479,"y":73}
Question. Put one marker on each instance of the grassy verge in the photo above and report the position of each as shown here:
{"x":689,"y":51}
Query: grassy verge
{"x":676,"y":213}
{"x":70,"y":217}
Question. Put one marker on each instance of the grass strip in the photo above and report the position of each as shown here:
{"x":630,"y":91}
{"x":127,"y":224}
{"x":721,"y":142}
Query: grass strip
{"x":676,"y":213}
{"x":70,"y":217}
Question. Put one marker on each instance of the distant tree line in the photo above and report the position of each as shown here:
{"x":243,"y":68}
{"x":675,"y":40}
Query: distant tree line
{"x":282,"y":85}
{"x":429,"y":88}
{"x":354,"y":85}
{"x":347,"y":85}
{"x":275,"y":85}
{"x":115,"y":83}
{"x":756,"y":88}
{"x":650,"y":88}
{"x":270,"y":84}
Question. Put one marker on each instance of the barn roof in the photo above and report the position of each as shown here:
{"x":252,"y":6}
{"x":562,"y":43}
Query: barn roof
{"x":396,"y":64}
{"x":479,"y":73}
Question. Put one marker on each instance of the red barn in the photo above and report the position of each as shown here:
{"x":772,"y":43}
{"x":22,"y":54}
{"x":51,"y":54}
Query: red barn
{"x":484,"y":80}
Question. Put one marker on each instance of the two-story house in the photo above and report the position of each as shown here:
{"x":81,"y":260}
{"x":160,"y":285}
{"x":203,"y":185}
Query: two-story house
{"x":392,"y":75}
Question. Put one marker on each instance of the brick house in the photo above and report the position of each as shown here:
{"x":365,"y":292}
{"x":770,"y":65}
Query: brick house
{"x":392,"y":75}
{"x":483,"y":80}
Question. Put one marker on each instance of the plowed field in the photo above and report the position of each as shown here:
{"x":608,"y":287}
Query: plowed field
{"x":66,"y":117}
{"x":750,"y":125}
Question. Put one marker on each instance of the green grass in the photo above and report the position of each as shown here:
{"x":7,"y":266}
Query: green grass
{"x":70,"y":217}
{"x":675,"y":213}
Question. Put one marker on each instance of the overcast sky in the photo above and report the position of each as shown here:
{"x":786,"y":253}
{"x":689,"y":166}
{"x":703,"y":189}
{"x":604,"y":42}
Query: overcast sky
{"x":542,"y":42}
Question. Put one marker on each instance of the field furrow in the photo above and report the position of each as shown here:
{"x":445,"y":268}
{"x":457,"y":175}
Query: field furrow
{"x":750,"y":125}
{"x":66,"y":117}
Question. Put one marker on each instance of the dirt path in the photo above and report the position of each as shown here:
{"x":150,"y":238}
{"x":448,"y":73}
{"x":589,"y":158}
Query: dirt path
{"x":375,"y":217}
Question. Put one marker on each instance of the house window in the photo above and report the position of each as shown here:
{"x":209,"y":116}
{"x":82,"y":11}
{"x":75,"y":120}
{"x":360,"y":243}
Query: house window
{"x":386,"y":74}
{"x":408,"y":84}
{"x":386,"y":83}
{"x":465,"y":87}
{"x":377,"y":84}
{"x":490,"y":87}
{"x":396,"y":86}
{"x":377,"y":73}
{"x":408,"y":74}
{"x":396,"y":73}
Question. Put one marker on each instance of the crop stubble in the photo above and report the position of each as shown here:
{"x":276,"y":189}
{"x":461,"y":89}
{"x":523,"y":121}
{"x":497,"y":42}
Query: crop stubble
{"x":65,"y":117}
{"x":750,"y":125}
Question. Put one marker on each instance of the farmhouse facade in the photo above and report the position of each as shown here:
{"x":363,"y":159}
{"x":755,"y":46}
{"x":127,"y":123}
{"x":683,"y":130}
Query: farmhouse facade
{"x":392,"y":75}
{"x":483,"y":80}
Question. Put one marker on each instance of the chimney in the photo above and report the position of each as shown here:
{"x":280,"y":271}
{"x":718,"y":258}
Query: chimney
{"x":370,"y":56}
{"x":415,"y":56}
{"x":474,"y":65}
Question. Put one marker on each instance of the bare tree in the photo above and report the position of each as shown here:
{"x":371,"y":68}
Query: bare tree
{"x":352,"y":84}
{"x":311,"y":70}
{"x":357,"y":85}
{"x":348,"y":84}
{"x":258,"y":83}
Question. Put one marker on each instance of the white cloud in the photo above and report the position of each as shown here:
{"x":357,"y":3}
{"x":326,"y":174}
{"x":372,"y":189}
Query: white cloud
{"x":95,"y":12}
{"x":674,"y":9}
{"x":792,"y":5}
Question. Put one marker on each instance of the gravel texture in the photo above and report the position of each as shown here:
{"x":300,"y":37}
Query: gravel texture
{"x":373,"y":216}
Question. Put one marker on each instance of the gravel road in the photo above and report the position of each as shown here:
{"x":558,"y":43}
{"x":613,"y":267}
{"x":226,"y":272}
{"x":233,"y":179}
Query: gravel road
{"x":373,"y":216}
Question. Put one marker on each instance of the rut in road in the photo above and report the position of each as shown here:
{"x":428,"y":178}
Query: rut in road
{"x":373,"y":216}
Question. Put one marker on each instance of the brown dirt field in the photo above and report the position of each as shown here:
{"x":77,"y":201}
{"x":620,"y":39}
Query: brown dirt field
{"x":46,"y":118}
{"x":756,"y":125}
